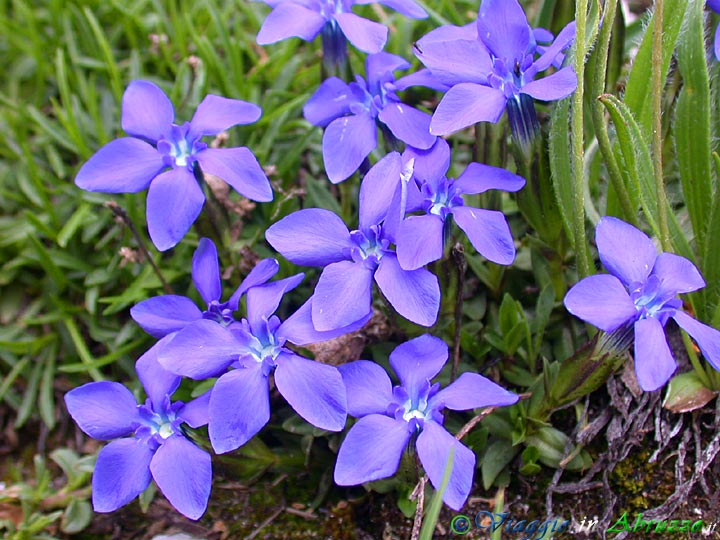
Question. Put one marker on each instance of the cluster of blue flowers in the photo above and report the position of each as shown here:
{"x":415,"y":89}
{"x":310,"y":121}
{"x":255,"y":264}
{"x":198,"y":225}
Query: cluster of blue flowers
{"x":406,"y":206}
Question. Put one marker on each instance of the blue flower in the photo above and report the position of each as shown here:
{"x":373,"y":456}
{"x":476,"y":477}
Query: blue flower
{"x":335,"y":21}
{"x":390,"y":416}
{"x":153,"y":443}
{"x":353,"y":260}
{"x":167,"y":159}
{"x":641,"y":291}
{"x":167,"y":314}
{"x":349,"y":113}
{"x":421,"y":238}
{"x":491,"y":66}
{"x":244,"y":354}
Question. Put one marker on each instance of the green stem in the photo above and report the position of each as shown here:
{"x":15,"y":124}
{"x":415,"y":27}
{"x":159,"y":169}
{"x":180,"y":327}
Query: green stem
{"x":598,"y":114}
{"x":657,"y":143}
{"x":578,"y":150}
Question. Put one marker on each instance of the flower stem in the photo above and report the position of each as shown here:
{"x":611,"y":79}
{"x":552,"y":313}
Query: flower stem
{"x":657,"y":91}
{"x":578,"y":144}
{"x":458,"y":255}
{"x":598,"y":115}
{"x":125,"y":218}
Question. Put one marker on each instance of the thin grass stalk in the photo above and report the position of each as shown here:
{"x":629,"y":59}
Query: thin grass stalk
{"x":578,"y":150}
{"x":658,"y":84}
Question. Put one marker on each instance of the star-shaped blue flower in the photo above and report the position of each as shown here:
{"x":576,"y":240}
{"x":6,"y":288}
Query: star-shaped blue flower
{"x":336,"y":22}
{"x":167,"y":159}
{"x":390,"y":416}
{"x":492,"y":66}
{"x":351,"y":113}
{"x":353,"y":260}
{"x":641,"y":291}
{"x":148,"y":441}
{"x":421,"y":238}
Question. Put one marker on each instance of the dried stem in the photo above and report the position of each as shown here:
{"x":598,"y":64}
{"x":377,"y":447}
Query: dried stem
{"x":123,"y":215}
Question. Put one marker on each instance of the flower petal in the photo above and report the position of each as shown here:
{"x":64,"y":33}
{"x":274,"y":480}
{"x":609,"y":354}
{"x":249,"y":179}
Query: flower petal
{"x":239,"y":408}
{"x":654,"y":363}
{"x":330,"y":101}
{"x":290,"y":19}
{"x":716,"y":42}
{"x":504,"y":29}
{"x":368,"y":36}
{"x":158,"y":382}
{"x":342,"y":296}
{"x":707,"y":338}
{"x":346,"y":143}
{"x":417,"y":361}
{"x":455,"y":60}
{"x":122,"y":472}
{"x":174,"y":202}
{"x":625,"y":251}
{"x":310,"y":237}
{"x":217,"y":113}
{"x":359,"y":460}
{"x":104,"y":410}
{"x":377,"y":189}
{"x":488,"y":232}
{"x":560,"y":84}
{"x":406,"y":7}
{"x":201,"y":350}
{"x":368,"y":386}
{"x":196,"y":413}
{"x":429,"y":165}
{"x":676,"y":274}
{"x":263,"y":300}
{"x":124,"y":165}
{"x":380,"y":66}
{"x":422,"y":77}
{"x":183,"y":472}
{"x":479,"y":178}
{"x":299,"y":329}
{"x":316,"y":391}
{"x":563,"y":40}
{"x":433,"y":446}
{"x":472,"y":391}
{"x":420,"y":241}
{"x":415,"y":294}
{"x":147,"y":112}
{"x":206,"y":271}
{"x":261,"y":273}
{"x":163,"y":315}
{"x":466,"y":104}
{"x":408,"y":124}
{"x":239,"y":168}
{"x":602,"y":301}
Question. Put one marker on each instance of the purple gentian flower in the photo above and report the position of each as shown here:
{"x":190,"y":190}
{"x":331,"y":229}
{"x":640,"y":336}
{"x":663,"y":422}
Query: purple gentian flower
{"x":166,"y":314}
{"x":421,"y":238}
{"x":491,"y":66}
{"x":254,"y":348}
{"x":336,"y":22}
{"x":715,"y":6}
{"x":349,"y":113}
{"x":389,"y":417}
{"x":168,"y":159}
{"x":641,"y":290}
{"x":353,"y":260}
{"x":153,"y":444}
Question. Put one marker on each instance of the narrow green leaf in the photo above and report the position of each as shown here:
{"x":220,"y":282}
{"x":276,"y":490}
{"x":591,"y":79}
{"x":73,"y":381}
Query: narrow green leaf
{"x":637,"y":97}
{"x":634,"y":152}
{"x":433,"y":512}
{"x":561,"y":163}
{"x":692,"y":122}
